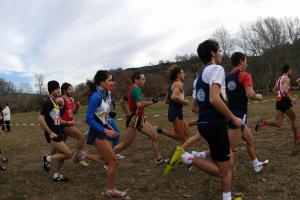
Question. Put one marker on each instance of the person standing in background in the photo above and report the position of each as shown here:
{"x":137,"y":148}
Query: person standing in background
{"x":6,"y":117}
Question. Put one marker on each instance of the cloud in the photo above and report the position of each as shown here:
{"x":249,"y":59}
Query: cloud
{"x":69,"y":40}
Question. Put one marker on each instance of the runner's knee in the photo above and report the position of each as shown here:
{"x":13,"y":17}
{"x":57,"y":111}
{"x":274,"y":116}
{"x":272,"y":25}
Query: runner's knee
{"x":68,"y":154}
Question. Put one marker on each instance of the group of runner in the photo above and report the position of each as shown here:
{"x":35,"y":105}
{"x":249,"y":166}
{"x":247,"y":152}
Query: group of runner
{"x":220,"y":101}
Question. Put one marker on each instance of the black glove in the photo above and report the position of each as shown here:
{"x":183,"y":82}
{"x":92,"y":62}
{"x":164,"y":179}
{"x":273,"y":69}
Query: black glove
{"x":112,"y":114}
{"x":154,"y":100}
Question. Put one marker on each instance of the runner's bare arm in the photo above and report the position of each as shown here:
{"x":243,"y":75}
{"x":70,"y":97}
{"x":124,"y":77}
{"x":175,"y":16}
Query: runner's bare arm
{"x":285,"y":87}
{"x":219,"y":105}
{"x":250,"y":93}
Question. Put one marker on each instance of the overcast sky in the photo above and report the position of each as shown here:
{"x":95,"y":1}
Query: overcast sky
{"x":69,"y":40}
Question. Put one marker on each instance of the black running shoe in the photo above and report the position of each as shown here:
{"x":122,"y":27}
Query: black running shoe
{"x":60,"y":178}
{"x":4,"y":159}
{"x":2,"y":168}
{"x":46,"y":164}
{"x":258,"y":124}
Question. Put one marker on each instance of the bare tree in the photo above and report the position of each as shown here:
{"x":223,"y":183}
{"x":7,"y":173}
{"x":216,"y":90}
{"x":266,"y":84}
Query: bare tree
{"x":292,"y":29}
{"x":224,"y":39}
{"x":270,"y":31}
{"x":40,"y":81}
{"x":249,"y":42}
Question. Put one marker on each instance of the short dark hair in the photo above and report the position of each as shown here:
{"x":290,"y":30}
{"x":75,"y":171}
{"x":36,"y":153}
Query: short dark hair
{"x":135,"y":76}
{"x":175,"y":69}
{"x":52,"y":85}
{"x":205,"y":48}
{"x":286,"y":68}
{"x":236,"y":58}
{"x":64,"y":87}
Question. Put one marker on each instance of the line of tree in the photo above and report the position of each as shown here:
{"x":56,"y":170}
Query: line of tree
{"x":269,"y":44}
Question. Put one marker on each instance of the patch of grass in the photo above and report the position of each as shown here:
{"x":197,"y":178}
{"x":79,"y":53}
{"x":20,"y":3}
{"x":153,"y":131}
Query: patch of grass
{"x":25,"y":178}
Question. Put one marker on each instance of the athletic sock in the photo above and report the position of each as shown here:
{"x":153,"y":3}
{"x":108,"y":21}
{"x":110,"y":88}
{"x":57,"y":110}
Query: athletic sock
{"x":187,"y":158}
{"x":201,"y":154}
{"x":55,"y":175}
{"x":226,"y":195}
{"x":48,"y":158}
{"x":255,"y":163}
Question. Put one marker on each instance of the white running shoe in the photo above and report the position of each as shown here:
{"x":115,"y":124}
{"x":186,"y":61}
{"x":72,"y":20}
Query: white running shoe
{"x":261,"y":165}
{"x":105,"y":167}
{"x":120,"y":157}
{"x":114,"y":193}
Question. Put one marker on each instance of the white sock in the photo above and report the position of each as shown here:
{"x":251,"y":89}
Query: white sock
{"x":226,"y":195}
{"x":201,"y":154}
{"x":48,"y":158}
{"x":187,"y":158}
{"x":55,"y":175}
{"x":255,"y":163}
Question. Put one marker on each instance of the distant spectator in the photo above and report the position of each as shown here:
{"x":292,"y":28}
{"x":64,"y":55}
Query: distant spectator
{"x":6,"y":115}
{"x":2,"y":125}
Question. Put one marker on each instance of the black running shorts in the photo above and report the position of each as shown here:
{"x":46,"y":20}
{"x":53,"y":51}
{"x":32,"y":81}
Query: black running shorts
{"x":240,"y":114}
{"x":216,"y":136}
{"x":283,"y":105}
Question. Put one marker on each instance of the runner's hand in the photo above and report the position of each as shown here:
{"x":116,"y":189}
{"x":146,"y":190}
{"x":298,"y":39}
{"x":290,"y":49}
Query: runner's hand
{"x":259,"y":97}
{"x":70,"y":123}
{"x":110,"y":133}
{"x":237,"y":122}
{"x":52,"y":135}
{"x":154,"y":100}
{"x":185,"y":102}
{"x":294,"y":100}
{"x":77,"y":105}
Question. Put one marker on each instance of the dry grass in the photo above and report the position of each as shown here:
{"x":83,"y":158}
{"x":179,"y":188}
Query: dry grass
{"x":26,"y":179}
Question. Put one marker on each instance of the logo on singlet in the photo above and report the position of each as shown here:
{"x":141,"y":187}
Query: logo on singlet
{"x":231,"y":85}
{"x":200,"y":95}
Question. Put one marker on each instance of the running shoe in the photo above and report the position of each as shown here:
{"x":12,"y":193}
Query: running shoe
{"x":158,"y":129}
{"x":2,"y":168}
{"x":161,"y":161}
{"x":261,"y":165}
{"x":79,"y":156}
{"x":46,"y":163}
{"x":175,"y":159}
{"x":60,"y":178}
{"x":114,"y":193}
{"x":105,"y":167}
{"x":4,"y":159}
{"x":83,"y":163}
{"x":258,"y":124}
{"x":120,"y":157}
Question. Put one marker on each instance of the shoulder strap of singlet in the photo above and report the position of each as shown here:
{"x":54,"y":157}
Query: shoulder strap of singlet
{"x":54,"y":103}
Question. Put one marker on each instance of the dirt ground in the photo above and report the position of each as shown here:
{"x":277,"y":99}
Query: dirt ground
{"x":25,"y":178}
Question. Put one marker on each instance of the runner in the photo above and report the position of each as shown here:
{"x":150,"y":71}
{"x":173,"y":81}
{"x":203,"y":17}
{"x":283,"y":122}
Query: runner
{"x":239,"y":89}
{"x":213,"y":114}
{"x":111,"y":121}
{"x":50,"y":121}
{"x":97,"y":119}
{"x":136,"y":121}
{"x":175,"y":100}
{"x":284,"y":104}
{"x":66,"y":112}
